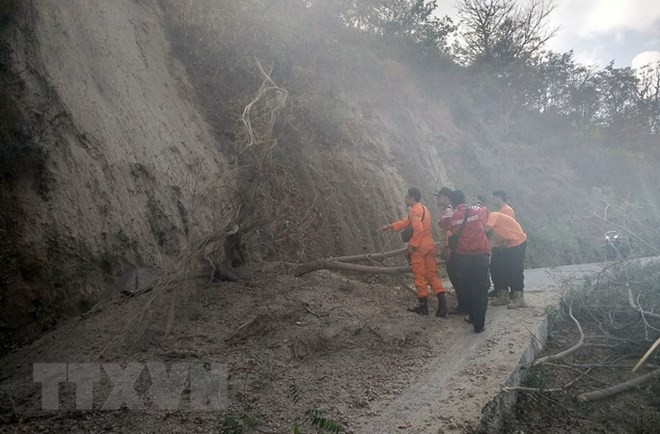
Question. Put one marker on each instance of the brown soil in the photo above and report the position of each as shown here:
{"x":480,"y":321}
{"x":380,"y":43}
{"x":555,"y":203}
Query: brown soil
{"x":342,"y":342}
{"x":350,"y":348}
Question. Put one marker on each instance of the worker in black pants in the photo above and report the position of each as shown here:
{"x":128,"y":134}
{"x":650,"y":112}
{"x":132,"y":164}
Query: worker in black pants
{"x":444,"y":203}
{"x":472,"y":274}
{"x":471,"y":252}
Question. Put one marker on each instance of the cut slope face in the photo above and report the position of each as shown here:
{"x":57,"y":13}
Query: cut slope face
{"x":126,"y":151}
{"x":137,"y":134}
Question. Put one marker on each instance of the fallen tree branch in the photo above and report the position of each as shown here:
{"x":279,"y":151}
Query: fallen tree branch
{"x":569,"y":351}
{"x":369,"y":256}
{"x":371,"y":329}
{"x":631,"y":301}
{"x":372,"y":256}
{"x":531,"y":389}
{"x":620,"y":388}
{"x":340,"y":263}
{"x":326,"y":264}
{"x":553,"y":390}
{"x":241,"y":327}
{"x":646,"y":356}
{"x":595,"y":365}
{"x":318,"y":315}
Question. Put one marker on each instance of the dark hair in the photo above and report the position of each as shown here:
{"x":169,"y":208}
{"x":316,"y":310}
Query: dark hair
{"x":501,"y":194}
{"x":457,"y":197}
{"x":481,"y":199}
{"x":444,"y":191}
{"x":414,"y":193}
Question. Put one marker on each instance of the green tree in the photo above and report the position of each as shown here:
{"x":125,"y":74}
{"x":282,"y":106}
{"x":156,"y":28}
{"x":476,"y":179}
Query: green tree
{"x":619,"y":109}
{"x":649,"y":97}
{"x":566,"y":88}
{"x":411,"y":20}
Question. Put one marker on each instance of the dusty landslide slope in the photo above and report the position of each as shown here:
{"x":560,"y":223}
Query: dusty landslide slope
{"x":133,"y":170}
{"x":124,"y":150}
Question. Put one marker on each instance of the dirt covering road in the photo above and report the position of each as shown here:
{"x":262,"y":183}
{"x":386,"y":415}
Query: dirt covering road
{"x":349,"y":346}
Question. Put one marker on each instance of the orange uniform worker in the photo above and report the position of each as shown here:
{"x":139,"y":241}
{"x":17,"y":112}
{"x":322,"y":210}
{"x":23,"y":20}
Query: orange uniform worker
{"x":507,"y":273}
{"x":422,"y":250}
{"x":501,"y":204}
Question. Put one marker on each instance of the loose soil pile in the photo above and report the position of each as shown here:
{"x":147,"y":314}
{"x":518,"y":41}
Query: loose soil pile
{"x":341,"y":342}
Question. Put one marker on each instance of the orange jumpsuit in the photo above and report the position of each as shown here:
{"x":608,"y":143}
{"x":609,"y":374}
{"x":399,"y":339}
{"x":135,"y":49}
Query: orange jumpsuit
{"x":423,"y":258}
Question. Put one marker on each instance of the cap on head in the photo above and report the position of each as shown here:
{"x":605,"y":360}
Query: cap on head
{"x":444,"y":191}
{"x":457,"y":197}
{"x":501,"y":194}
{"x":414,"y":193}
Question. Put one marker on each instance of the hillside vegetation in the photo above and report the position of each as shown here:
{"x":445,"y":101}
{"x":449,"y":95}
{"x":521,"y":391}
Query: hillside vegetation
{"x":574,"y":145}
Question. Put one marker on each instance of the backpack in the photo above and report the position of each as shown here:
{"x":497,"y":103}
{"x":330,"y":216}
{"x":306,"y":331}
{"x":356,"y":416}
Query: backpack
{"x":407,"y":233}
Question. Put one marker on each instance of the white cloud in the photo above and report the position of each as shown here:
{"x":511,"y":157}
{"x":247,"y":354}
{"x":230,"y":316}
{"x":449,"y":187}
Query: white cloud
{"x":601,"y":30}
{"x":645,"y":58}
{"x":586,"y":17}
{"x":616,"y":14}
{"x":597,"y":30}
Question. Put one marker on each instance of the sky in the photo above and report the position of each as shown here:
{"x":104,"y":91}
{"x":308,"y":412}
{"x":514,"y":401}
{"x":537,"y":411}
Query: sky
{"x":599,"y":31}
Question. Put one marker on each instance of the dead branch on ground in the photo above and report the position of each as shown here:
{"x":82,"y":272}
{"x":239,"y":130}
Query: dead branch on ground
{"x":620,"y":388}
{"x":571,"y":350}
{"x":637,"y":307}
{"x":345,"y":263}
{"x":332,"y":265}
{"x":646,"y":355}
{"x":551,"y":390}
{"x":624,"y":329}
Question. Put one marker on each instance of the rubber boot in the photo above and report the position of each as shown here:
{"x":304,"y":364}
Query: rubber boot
{"x":518,"y":300}
{"x":421,"y":308}
{"x":442,"y":305}
{"x":502,"y":298}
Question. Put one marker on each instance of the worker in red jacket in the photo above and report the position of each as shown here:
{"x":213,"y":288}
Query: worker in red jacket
{"x":422,"y":251}
{"x":444,"y":203}
{"x":471,"y":254}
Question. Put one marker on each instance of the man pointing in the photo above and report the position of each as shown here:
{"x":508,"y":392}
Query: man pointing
{"x":422,"y":251}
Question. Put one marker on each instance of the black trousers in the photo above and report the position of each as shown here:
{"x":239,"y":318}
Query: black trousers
{"x":472,"y":278}
{"x":451,"y":273}
{"x":506,"y":268}
{"x":497,"y":269}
